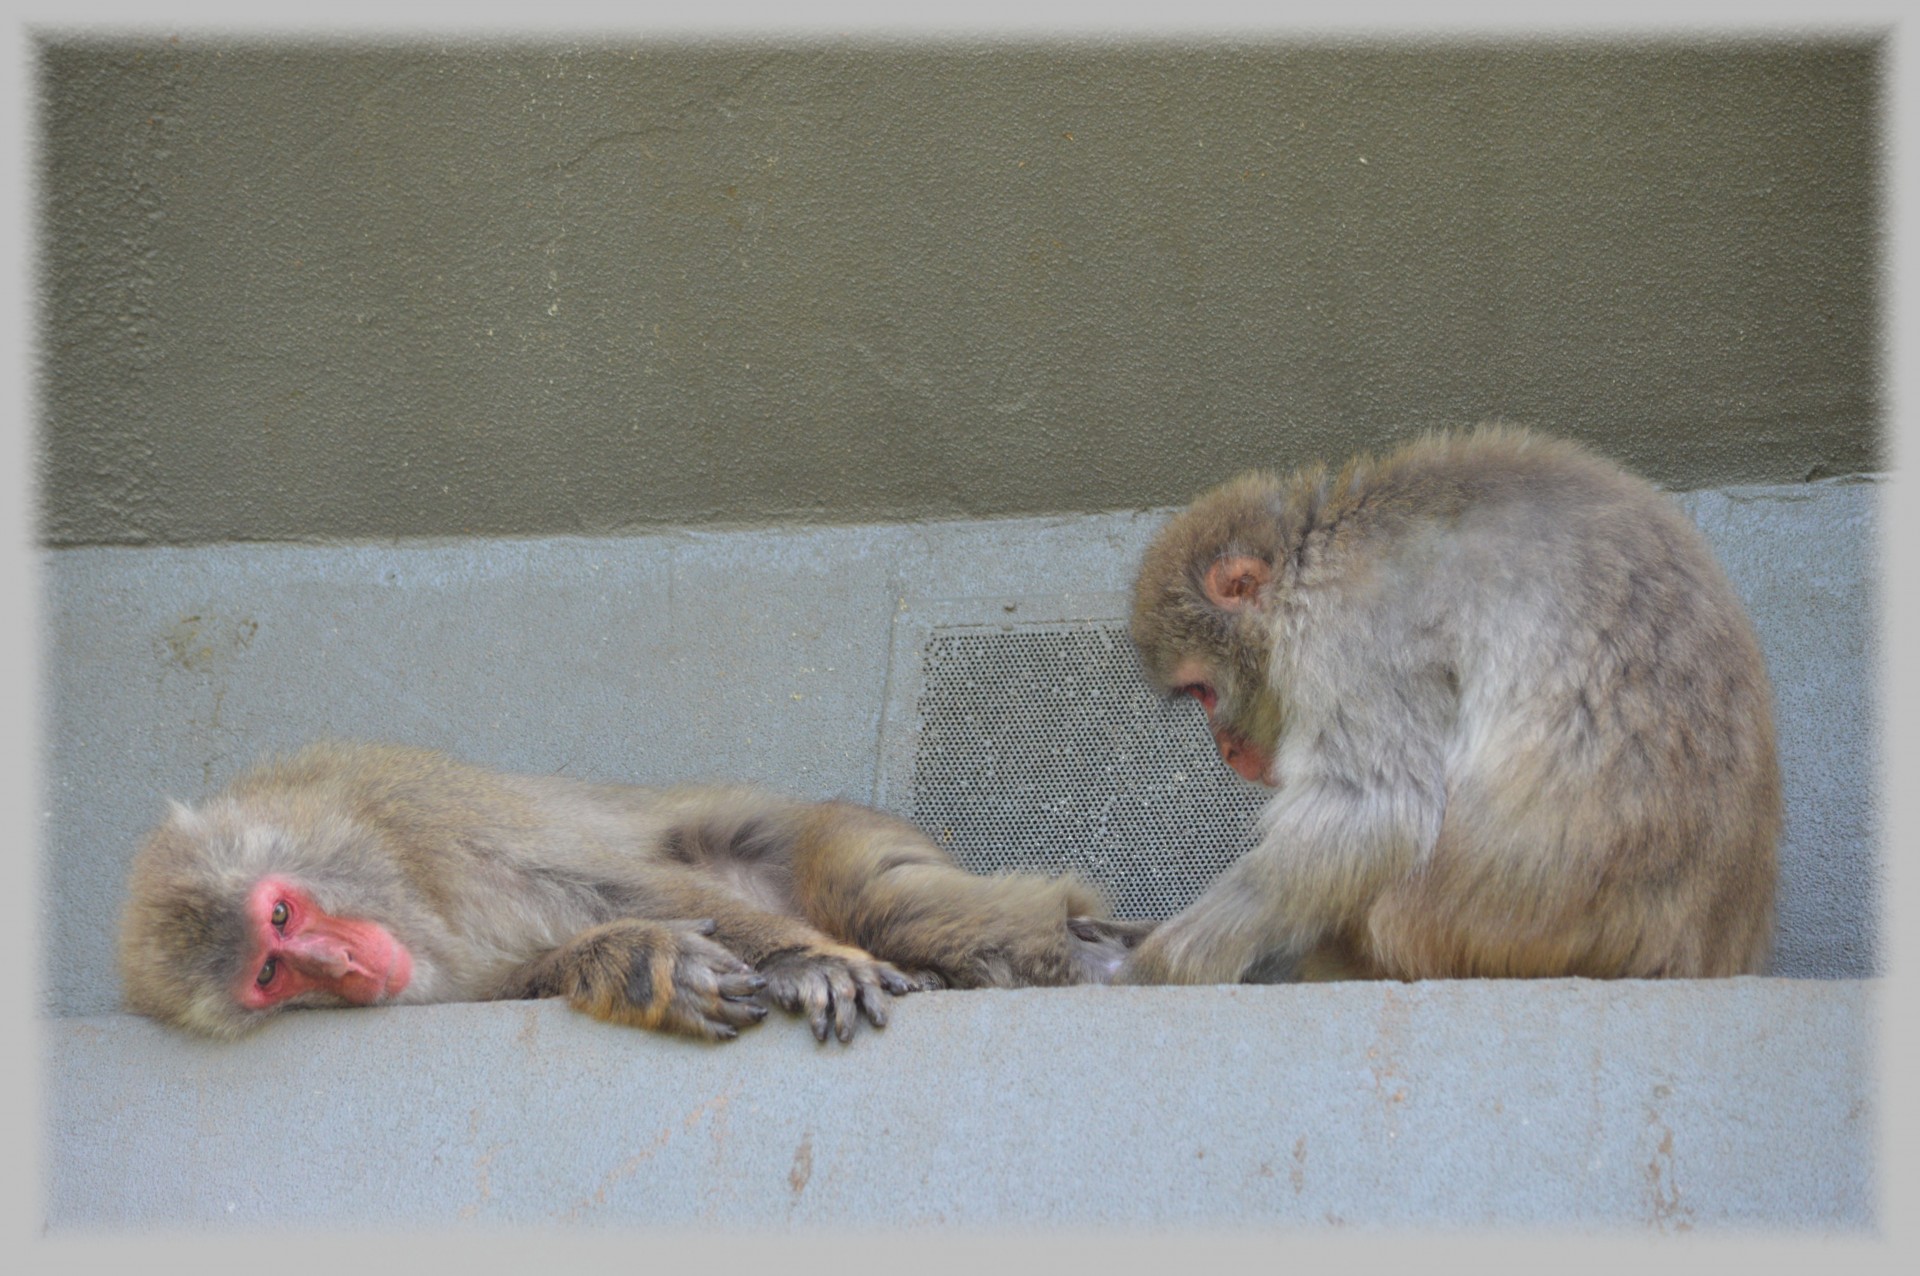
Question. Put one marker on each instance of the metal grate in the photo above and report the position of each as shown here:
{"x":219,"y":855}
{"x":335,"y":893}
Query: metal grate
{"x":1041,"y":747}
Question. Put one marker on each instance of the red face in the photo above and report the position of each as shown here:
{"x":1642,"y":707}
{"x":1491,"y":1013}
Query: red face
{"x":1249,"y":759}
{"x":298,"y":946}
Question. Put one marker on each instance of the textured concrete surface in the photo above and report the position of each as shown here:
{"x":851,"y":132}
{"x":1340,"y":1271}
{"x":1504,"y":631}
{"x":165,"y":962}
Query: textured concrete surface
{"x":746,"y":655}
{"x":1729,"y":1107}
{"x":300,"y":292}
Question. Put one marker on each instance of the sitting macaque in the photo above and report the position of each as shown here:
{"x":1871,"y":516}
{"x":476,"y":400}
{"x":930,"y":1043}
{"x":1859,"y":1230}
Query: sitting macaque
{"x":368,"y":874}
{"x":1516,"y":718}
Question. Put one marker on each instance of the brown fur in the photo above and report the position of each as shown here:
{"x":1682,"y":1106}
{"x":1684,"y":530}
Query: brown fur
{"x":1517,"y":717}
{"x":660,"y":908}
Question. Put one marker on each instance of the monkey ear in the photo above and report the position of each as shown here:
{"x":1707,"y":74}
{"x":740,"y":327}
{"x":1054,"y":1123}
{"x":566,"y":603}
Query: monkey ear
{"x":1236,"y":581}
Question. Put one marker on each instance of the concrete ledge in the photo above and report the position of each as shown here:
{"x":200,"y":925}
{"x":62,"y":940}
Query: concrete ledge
{"x":1666,"y":1107}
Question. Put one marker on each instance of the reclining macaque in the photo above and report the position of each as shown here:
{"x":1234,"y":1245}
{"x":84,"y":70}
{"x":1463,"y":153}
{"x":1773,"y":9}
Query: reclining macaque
{"x":1516,"y":718}
{"x":366,"y":874}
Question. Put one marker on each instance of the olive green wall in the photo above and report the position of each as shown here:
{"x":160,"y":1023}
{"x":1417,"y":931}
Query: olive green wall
{"x":308,"y":292}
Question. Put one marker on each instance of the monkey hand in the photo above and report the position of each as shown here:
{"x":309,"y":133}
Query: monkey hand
{"x":665,"y":975}
{"x":834,"y":985}
{"x":1104,"y":944}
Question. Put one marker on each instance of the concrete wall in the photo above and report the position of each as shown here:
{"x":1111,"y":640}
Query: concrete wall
{"x":299,"y":292}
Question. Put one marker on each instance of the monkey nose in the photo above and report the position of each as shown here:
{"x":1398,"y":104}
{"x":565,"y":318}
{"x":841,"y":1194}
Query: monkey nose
{"x":326,"y":958}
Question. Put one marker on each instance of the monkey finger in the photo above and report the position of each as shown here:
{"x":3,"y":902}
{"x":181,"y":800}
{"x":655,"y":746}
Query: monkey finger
{"x":784,"y":992}
{"x":736,"y":987}
{"x":827,"y":1007}
{"x":846,"y":1005}
{"x":740,"y":1014}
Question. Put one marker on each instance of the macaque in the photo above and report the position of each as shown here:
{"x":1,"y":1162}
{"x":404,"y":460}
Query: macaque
{"x":1515,"y":717}
{"x":355,"y":875}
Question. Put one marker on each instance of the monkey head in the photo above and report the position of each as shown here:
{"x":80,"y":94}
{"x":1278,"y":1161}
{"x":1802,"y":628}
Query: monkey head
{"x":233,"y":915}
{"x":1203,"y":615}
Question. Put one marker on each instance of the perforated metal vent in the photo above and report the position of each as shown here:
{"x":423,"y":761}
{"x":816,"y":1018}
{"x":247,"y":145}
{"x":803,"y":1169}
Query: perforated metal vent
{"x":1041,"y":747}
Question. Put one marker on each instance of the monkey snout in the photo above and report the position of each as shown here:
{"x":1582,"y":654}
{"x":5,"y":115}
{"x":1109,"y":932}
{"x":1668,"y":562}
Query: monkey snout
{"x":323,"y":958}
{"x":1248,"y":762}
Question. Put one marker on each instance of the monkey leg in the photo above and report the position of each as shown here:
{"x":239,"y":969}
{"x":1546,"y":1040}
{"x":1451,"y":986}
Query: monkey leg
{"x":879,"y":882}
{"x":666,"y":975}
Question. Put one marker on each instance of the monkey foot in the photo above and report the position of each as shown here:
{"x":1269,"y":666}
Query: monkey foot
{"x":834,"y":986}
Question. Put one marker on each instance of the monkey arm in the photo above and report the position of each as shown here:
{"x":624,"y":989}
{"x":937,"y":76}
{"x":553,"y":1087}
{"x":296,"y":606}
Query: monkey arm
{"x":887,"y":886}
{"x":1359,"y":806}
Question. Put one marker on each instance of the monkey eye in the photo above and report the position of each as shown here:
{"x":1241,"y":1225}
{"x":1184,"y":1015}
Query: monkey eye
{"x":280,"y":914}
{"x":265,"y":976}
